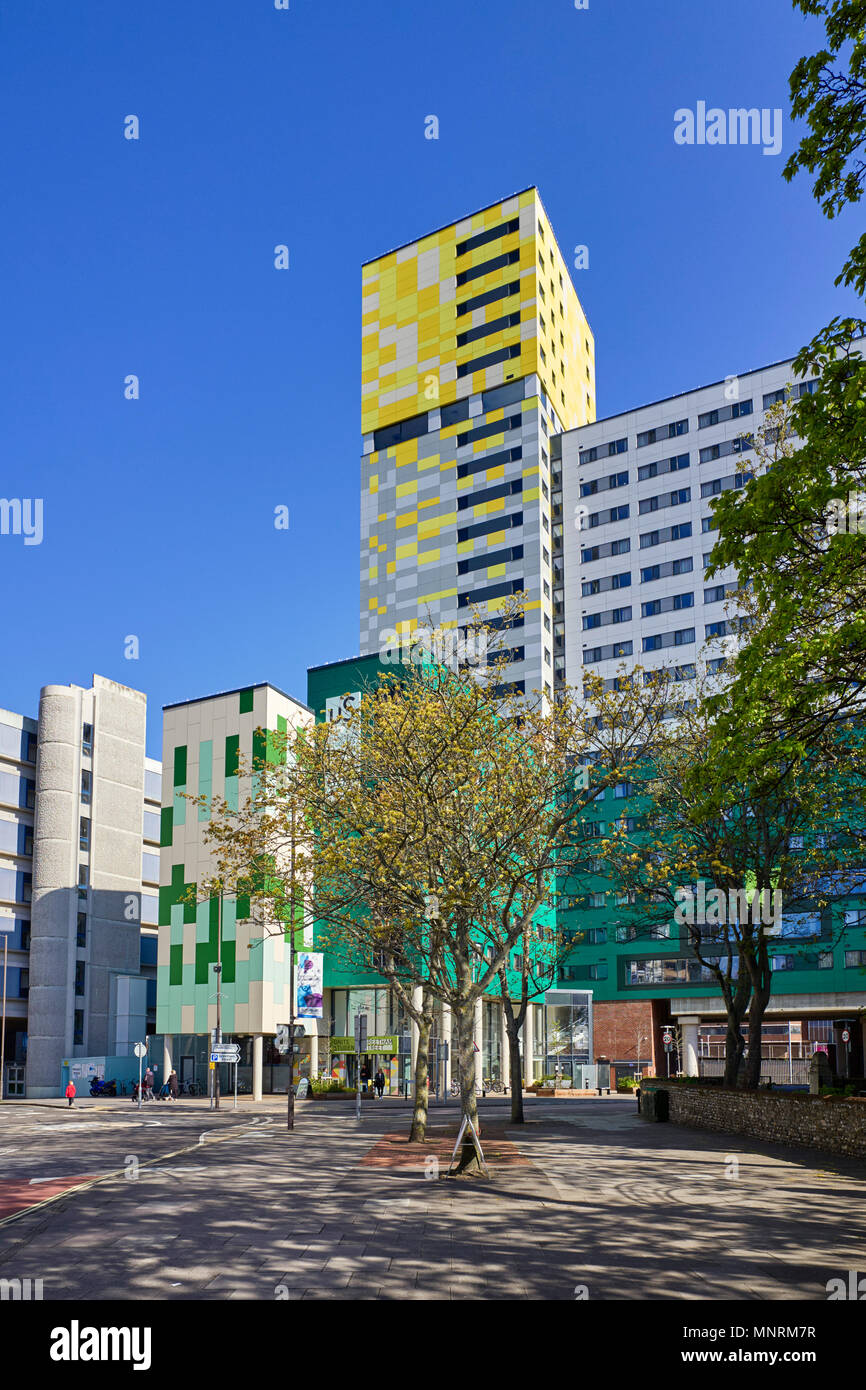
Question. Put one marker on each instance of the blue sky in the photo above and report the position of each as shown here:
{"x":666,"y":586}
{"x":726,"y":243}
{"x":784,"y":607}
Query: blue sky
{"x":306,"y":127}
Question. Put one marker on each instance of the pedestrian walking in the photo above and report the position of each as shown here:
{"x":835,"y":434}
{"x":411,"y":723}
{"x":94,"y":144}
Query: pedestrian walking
{"x":172,"y":1085}
{"x":365,"y":1077}
{"x":379,"y":1083}
{"x":70,"y":1092}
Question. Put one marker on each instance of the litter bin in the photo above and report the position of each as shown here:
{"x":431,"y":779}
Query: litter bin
{"x":654,"y":1105}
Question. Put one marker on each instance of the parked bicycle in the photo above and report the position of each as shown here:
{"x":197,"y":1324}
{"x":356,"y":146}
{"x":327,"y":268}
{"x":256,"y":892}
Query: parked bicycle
{"x":493,"y":1084}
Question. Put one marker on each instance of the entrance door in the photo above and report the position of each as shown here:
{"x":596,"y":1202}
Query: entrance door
{"x":187,"y":1069}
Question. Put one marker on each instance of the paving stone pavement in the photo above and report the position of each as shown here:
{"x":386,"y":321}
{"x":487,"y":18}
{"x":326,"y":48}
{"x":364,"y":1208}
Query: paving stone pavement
{"x":601,"y":1204}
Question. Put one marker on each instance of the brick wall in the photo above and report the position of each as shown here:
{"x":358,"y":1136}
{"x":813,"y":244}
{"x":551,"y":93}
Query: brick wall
{"x":617,"y":1025}
{"x":835,"y":1126}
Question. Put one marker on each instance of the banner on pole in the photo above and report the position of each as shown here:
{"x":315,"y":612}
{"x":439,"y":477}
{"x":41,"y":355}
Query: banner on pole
{"x":309,"y":990}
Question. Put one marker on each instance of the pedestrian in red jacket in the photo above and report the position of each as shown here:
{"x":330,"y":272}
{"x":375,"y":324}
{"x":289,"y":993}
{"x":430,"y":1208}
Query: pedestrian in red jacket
{"x":70,"y":1092}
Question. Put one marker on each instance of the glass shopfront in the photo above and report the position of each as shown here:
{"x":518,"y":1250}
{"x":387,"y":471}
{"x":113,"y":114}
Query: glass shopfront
{"x":567,"y":1031}
{"x":491,"y":1042}
{"x":388,"y":1033}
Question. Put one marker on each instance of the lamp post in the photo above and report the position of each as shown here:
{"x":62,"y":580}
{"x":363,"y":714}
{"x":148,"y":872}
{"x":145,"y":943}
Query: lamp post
{"x":290,"y":1101}
{"x":3,"y":1023}
{"x":219,"y":974}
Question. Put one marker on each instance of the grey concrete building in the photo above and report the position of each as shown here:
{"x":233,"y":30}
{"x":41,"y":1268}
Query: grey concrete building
{"x":79,"y":872}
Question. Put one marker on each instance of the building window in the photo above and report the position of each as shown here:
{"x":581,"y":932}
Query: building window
{"x":80,"y":969}
{"x":854,"y":959}
{"x":81,"y":934}
{"x":84,"y":833}
{"x":87,"y":739}
{"x":78,"y":1027}
{"x":86,"y":784}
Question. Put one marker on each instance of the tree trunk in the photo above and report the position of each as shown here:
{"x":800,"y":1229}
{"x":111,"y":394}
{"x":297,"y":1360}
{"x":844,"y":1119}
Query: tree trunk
{"x":733,"y":1049}
{"x":513,"y":1023}
{"x":759,"y":970}
{"x":515,"y":1068}
{"x":735,"y":1007}
{"x":418,"y":1132}
{"x":465,"y":1016}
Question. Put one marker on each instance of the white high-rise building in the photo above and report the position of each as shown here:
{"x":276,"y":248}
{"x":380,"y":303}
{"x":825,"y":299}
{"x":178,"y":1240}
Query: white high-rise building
{"x":638,"y":529}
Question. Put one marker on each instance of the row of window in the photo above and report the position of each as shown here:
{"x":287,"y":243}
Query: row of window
{"x":682,"y":637}
{"x":16,"y":743}
{"x":613,"y":480}
{"x":616,"y":446}
{"x":490,"y":494}
{"x":506,"y":522}
{"x":484,"y":330}
{"x":592,"y":655}
{"x":509,"y":422}
{"x":686,"y":971}
{"x":481,"y":462}
{"x":489,"y":558}
{"x":479,"y":596}
{"x":735,"y":411}
{"x":475,"y":272}
{"x":675,"y":464}
{"x":652,"y":608}
{"x":648,"y":574}
{"x":677,"y":498}
{"x":729,"y":484}
{"x":489,"y":359}
{"x":670,"y":533}
{"x":452,"y":414}
{"x":17,"y":791}
{"x":489,"y":234}
{"x":479,"y":301}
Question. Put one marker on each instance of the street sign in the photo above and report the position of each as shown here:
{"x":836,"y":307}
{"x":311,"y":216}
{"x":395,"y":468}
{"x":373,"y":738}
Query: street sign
{"x":226,"y":1052}
{"x":846,"y":1036}
{"x":360,"y":1032}
{"x":140,"y":1050}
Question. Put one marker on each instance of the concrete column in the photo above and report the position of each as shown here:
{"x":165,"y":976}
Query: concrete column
{"x":689,"y":1025}
{"x":258,"y":1053}
{"x":314,"y":1051}
{"x":479,"y":1044}
{"x":167,"y":1063}
{"x":527,"y":1033}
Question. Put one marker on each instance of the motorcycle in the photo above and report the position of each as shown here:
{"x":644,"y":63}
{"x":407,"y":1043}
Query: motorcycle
{"x":98,"y":1087}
